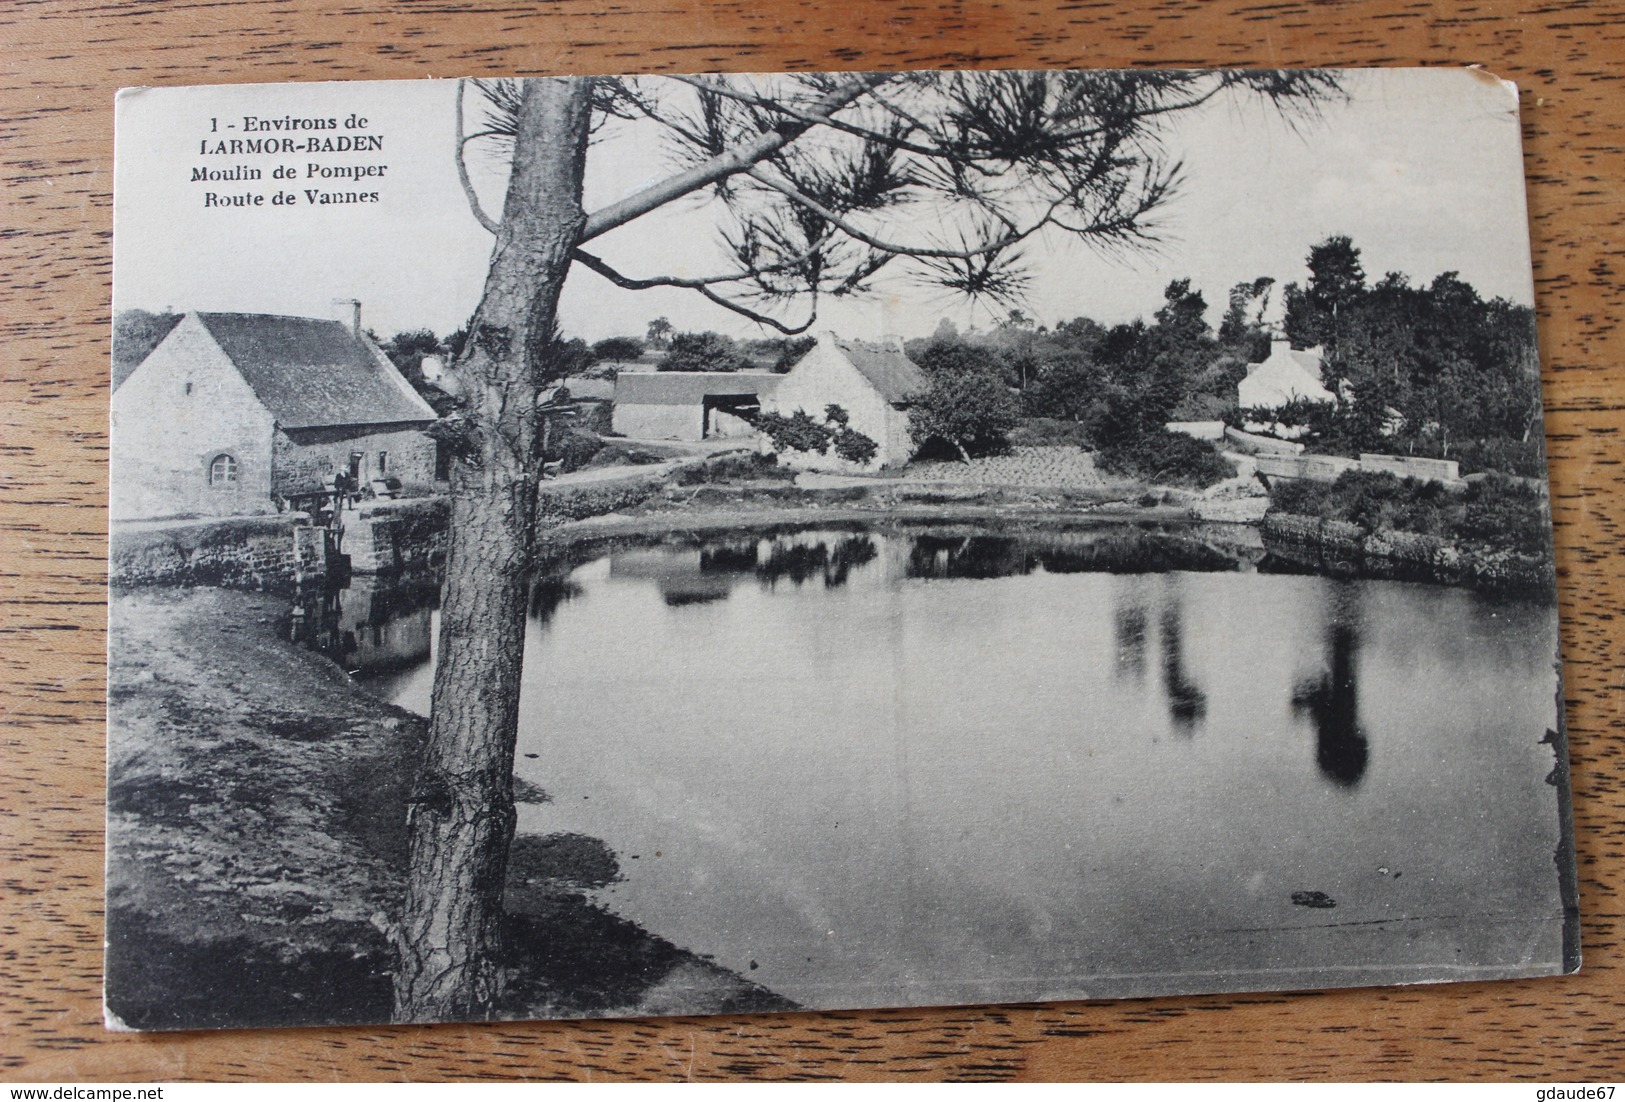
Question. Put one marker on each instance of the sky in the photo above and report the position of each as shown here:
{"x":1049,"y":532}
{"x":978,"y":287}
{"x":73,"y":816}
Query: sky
{"x":1421,"y":168}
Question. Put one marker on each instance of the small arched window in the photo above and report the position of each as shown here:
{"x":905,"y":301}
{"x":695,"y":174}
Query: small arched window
{"x":223,"y":472}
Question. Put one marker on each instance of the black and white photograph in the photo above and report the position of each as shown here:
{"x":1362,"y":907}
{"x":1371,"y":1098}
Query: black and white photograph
{"x":630,"y":546}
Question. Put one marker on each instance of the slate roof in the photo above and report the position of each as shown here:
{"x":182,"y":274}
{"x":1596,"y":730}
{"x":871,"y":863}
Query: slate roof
{"x":590,"y":390}
{"x":1309,"y":361}
{"x":314,"y":373}
{"x":131,"y":348}
{"x":688,"y":388}
{"x":898,"y":378}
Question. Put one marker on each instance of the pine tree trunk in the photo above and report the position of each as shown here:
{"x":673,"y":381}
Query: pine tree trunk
{"x":461,"y":815}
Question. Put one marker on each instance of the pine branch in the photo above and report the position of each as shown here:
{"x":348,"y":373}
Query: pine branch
{"x":726,"y":164}
{"x":462,"y":166}
{"x":1011,"y":238}
{"x":593,"y":263}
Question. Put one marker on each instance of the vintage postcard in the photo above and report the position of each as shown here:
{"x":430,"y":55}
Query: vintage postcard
{"x":668,"y":545}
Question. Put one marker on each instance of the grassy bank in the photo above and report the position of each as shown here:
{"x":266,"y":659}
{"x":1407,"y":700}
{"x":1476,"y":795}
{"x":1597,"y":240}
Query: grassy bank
{"x":1493,"y":535}
{"x":257,"y":846}
{"x":734,"y":483}
{"x":1496,"y":513}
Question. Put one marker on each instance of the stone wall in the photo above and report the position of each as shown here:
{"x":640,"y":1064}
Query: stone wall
{"x":1410,"y":466}
{"x":1327,"y":468}
{"x":304,"y":459}
{"x":1317,"y":468}
{"x":1254,"y":444}
{"x":277,"y":553}
{"x":385,"y":536}
{"x":1200,"y":430}
{"x":1338,"y":547}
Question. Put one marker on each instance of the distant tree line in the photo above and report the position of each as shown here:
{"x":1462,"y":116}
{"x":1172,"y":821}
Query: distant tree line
{"x":1109,"y":389}
{"x":1433,"y":370}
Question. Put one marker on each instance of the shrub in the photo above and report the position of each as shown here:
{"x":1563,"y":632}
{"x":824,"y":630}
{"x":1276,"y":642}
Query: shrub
{"x":558,"y":505}
{"x":800,"y":432}
{"x":1166,"y":458}
{"x":1038,"y":432}
{"x":1372,"y":500}
{"x":797,"y":432}
{"x":594,"y":417}
{"x":972,"y":411}
{"x":1520,"y":457}
{"x":733,"y":467}
{"x":1203,"y":407}
{"x":616,"y":454}
{"x":706,"y":351}
{"x":853,"y":446}
{"x":791,"y":352}
{"x":1504,"y":513}
{"x":575,"y":449}
{"x":618,"y":348}
{"x":1498,"y":512}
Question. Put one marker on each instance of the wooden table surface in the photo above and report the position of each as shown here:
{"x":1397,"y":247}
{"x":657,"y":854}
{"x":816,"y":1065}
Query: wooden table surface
{"x":62,"y":62}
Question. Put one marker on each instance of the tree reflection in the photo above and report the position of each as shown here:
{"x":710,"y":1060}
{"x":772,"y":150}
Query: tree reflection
{"x":1128,"y":629}
{"x":1187,"y":703}
{"x":932,"y":556}
{"x":548,"y":592}
{"x":801,"y":562}
{"x":1332,"y":704}
{"x":688,"y":589}
{"x":849,"y":554}
{"x":729,"y":558}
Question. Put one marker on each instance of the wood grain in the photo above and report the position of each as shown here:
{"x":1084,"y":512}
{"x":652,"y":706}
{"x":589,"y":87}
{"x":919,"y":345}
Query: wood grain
{"x":63,"y":60}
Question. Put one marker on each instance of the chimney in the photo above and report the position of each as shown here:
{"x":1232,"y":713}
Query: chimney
{"x":355,"y":313}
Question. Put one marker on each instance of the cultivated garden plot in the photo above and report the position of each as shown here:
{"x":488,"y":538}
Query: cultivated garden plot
{"x":591,"y":546}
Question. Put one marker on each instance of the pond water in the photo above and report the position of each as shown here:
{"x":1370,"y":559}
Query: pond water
{"x":894,"y":765}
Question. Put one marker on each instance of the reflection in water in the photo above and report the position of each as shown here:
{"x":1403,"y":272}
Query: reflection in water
{"x":729,"y":557}
{"x":800,"y":561}
{"x":909,"y":789}
{"x":369,"y":623}
{"x":1128,"y":629}
{"x":933,"y":556}
{"x":548,"y":592}
{"x":1187,"y":703}
{"x":1130,"y":551}
{"x":1134,"y":551}
{"x":709,"y":573}
{"x":1332,"y":703}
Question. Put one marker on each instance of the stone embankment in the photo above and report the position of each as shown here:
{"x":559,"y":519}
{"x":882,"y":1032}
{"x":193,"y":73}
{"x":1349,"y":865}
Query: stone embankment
{"x":1340,"y":547}
{"x":383,"y":537}
{"x":276,"y":553}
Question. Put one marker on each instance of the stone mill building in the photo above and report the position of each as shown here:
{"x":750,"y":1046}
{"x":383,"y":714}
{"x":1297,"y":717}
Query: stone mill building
{"x":235,"y":414}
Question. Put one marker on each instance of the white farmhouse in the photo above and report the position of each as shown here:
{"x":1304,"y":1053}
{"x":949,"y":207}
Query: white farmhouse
{"x":875,"y":383}
{"x":1284,"y":376}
